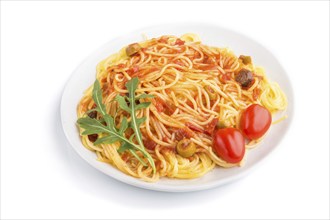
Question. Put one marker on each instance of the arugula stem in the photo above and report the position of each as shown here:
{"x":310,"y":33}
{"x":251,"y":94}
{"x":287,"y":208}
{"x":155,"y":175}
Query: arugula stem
{"x":132,"y":86}
{"x":94,"y":126}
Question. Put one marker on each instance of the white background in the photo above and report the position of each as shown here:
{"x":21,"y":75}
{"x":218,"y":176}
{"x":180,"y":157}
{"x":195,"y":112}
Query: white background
{"x":41,"y":176}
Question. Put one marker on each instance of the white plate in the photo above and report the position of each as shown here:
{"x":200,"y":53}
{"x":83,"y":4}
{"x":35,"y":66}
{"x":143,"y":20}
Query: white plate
{"x":211,"y":35}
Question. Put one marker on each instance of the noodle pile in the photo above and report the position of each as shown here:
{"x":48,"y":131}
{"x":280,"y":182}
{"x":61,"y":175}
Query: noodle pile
{"x":178,"y":72}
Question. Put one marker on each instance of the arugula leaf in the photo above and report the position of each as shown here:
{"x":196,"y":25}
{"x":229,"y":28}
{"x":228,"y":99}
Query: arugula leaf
{"x":107,"y":140}
{"x":110,"y":134}
{"x":142,"y":105}
{"x":131,"y":86}
{"x":122,"y":103}
{"x":97,"y":97}
{"x":91,"y":126}
{"x":123,"y":126}
{"x":143,"y":96}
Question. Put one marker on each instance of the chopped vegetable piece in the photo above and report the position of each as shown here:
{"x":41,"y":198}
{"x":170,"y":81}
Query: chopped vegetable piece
{"x":133,"y":49}
{"x":186,"y":148}
{"x":244,"y":78}
{"x":245,"y":59}
{"x":92,"y":114}
{"x":93,"y":137}
{"x":222,"y":124}
{"x":209,"y":128}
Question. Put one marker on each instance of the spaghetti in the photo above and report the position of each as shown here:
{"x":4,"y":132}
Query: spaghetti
{"x":195,"y":89}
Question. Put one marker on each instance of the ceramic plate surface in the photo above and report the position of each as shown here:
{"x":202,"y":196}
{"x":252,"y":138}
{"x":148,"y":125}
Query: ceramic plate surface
{"x":212,"y":35}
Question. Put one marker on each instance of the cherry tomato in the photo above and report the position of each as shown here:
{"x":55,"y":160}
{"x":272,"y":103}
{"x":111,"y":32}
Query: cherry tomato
{"x":228,"y":143}
{"x":255,"y":121}
{"x":179,"y":42}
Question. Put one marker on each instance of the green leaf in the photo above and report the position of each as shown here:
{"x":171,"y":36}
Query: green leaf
{"x":143,"y":96}
{"x":130,"y":148}
{"x":109,"y":121}
{"x":91,"y":126}
{"x":97,"y":97}
{"x":131,"y":137}
{"x":107,"y":140}
{"x":123,"y":126}
{"x":132,"y":85}
{"x":125,"y":146}
{"x":89,"y":111}
{"x":110,"y":134}
{"x":142,"y":105}
{"x":139,"y":121}
{"x":122,"y":103}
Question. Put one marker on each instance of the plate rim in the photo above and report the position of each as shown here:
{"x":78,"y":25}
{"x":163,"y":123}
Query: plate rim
{"x":171,"y":188}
